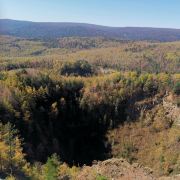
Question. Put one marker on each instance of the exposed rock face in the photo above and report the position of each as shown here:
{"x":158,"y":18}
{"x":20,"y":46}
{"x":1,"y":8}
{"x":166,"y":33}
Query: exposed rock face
{"x":172,"y":110}
{"x":176,"y":177}
{"x":119,"y":169}
{"x":116,"y":169}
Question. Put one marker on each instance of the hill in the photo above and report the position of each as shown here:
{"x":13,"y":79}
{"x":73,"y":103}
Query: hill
{"x":27,"y":29}
{"x":104,"y":53}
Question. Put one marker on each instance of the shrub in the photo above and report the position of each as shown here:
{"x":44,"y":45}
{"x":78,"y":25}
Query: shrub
{"x":128,"y":152}
{"x":78,"y":68}
{"x":100,"y":177}
{"x":177,"y":88}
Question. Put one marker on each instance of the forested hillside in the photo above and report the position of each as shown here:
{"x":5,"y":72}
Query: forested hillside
{"x":72,"y":101}
{"x":27,"y":29}
{"x":140,"y":56}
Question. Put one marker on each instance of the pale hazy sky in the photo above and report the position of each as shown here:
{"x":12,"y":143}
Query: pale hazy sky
{"x":144,"y":13}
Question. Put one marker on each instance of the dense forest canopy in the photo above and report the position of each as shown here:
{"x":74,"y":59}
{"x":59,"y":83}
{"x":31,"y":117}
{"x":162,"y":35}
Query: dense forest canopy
{"x":109,"y":54}
{"x":69,"y":101}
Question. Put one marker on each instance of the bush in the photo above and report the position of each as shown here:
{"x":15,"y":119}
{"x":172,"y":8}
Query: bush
{"x":78,"y":68}
{"x":128,"y":152}
{"x":100,"y":177}
{"x":177,"y":88}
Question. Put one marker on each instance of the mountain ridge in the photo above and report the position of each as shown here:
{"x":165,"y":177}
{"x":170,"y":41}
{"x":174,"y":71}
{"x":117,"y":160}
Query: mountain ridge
{"x":48,"y":30}
{"x":84,"y":23}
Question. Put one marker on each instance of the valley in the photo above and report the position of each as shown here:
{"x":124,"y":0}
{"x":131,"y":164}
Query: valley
{"x":74,"y":107}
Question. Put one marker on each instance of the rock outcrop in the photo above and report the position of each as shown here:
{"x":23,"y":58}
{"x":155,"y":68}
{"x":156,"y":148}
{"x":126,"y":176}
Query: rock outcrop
{"x":116,"y":169}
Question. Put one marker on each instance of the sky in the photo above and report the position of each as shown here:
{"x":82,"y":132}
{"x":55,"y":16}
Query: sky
{"x":119,"y":13}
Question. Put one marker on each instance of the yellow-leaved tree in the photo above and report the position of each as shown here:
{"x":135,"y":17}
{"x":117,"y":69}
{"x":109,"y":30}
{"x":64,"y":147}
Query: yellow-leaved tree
{"x":12,"y":158}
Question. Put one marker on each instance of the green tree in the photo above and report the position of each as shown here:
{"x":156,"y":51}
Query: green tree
{"x":78,"y":68}
{"x":177,"y":88}
{"x":51,"y":168}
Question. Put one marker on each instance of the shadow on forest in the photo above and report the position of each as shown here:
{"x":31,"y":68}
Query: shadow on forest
{"x":76,"y":133}
{"x":78,"y":137}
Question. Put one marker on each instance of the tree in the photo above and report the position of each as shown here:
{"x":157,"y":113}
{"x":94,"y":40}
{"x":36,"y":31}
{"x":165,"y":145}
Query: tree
{"x":11,"y":155}
{"x":51,"y":168}
{"x":78,"y":68}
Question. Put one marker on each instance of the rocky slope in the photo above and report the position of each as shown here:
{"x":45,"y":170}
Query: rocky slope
{"x":115,"y":169}
{"x":119,"y":169}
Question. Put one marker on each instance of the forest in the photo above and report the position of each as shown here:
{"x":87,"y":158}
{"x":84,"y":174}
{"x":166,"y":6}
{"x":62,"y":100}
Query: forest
{"x":53,"y":30}
{"x":67,"y":102}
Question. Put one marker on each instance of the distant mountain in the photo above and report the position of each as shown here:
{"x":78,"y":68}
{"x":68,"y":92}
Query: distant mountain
{"x":27,"y":29}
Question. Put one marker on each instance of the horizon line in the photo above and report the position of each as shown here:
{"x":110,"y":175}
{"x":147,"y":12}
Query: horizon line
{"x":87,"y":23}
